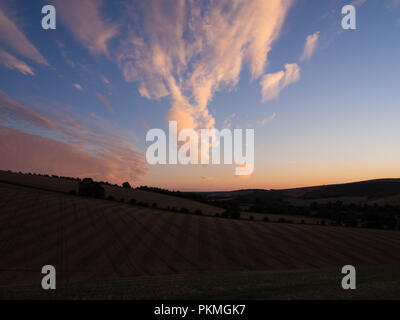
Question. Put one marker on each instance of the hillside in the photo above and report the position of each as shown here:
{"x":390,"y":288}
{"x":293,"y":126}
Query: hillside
{"x":89,"y":239}
{"x":382,"y":190}
{"x":64,"y":185}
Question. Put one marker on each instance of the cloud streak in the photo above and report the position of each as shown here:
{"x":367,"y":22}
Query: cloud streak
{"x":19,"y":112}
{"x":104,"y":101}
{"x":188,"y":52}
{"x":310,"y":46}
{"x":83,"y":18}
{"x":10,"y":62}
{"x":77,"y":86}
{"x":184,"y":50}
{"x":268,"y":119}
{"x":16,"y":40}
{"x":273,"y":83}
{"x":82,"y":147}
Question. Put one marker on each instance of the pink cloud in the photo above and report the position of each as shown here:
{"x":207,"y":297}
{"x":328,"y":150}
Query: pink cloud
{"x":84,"y":146}
{"x":104,"y":101}
{"x":15,"y":39}
{"x":19,"y":112}
{"x":9,"y":61}
{"x":83,"y":18}
{"x":273,"y":83}
{"x":77,"y":86}
{"x":49,"y":156}
{"x":221,"y":38}
{"x":310,"y":46}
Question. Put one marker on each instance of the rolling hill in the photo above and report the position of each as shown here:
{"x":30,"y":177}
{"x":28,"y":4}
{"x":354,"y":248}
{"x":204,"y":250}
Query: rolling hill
{"x":370,"y":191}
{"x":98,"y":240}
{"x":65,"y":185}
{"x":115,"y":249}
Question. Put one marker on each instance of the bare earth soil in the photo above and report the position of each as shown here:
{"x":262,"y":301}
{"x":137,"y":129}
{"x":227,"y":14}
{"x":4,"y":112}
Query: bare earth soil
{"x":99,"y":243}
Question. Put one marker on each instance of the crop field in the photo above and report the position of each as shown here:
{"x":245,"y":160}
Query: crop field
{"x":63,"y":185}
{"x":89,"y":240}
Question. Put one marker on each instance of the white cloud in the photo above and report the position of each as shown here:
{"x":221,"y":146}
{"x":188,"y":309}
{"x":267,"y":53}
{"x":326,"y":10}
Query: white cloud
{"x":268,"y":119}
{"x":77,"y":86}
{"x":273,"y":83}
{"x":310,"y":46}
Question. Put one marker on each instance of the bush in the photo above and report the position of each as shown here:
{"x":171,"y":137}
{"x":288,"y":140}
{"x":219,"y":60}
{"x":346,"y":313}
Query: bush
{"x":122,"y":200}
{"x":266,"y":219}
{"x":111,"y":198}
{"x":73,"y":192}
{"x":89,"y":188}
{"x":132,"y":201}
{"x":184,"y":210}
{"x":154,"y":205}
{"x":251,"y":218}
{"x":198,"y":212}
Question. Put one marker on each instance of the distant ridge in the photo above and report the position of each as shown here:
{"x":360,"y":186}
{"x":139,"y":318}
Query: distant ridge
{"x":371,"y":189}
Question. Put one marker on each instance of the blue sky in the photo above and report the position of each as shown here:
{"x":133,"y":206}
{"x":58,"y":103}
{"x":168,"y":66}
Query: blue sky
{"x":336,"y":121}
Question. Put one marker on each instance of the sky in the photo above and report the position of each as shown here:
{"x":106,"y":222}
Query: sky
{"x":323,"y":101}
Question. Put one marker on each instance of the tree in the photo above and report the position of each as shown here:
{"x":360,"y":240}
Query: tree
{"x":126,"y":185}
{"x":89,"y":188}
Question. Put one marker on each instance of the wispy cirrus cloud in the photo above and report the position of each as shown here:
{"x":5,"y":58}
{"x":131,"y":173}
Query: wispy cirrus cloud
{"x":83,"y":147}
{"x":12,"y":37}
{"x":77,"y":86}
{"x":10,"y":62}
{"x":188,"y":52}
{"x":268,"y":119}
{"x":105,"y":102}
{"x":83,"y":18}
{"x":358,"y":3}
{"x":105,"y":81}
{"x":310,"y":46}
{"x":227,"y":123}
{"x":273,"y":83}
{"x":18,"y":111}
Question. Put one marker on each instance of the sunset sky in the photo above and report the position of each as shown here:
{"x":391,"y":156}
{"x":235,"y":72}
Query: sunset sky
{"x":324,"y":102}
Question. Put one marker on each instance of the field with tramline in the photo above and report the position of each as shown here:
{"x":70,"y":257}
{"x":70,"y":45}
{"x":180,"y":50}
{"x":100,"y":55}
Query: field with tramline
{"x":90,"y":240}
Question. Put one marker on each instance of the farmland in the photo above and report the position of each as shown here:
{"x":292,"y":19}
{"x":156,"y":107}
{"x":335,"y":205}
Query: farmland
{"x":91,"y":240}
{"x":66,"y":186}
